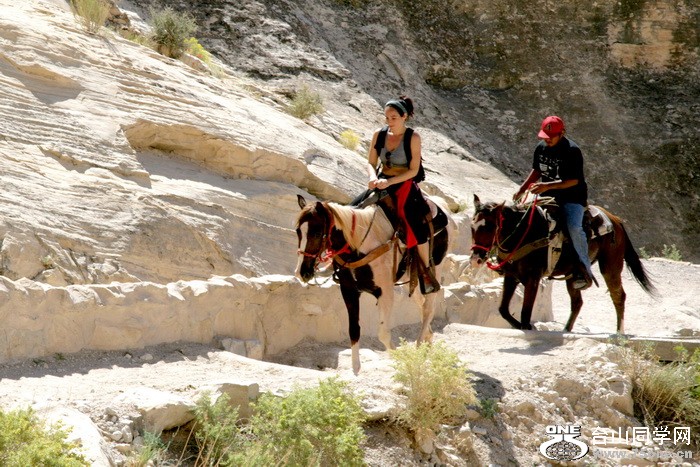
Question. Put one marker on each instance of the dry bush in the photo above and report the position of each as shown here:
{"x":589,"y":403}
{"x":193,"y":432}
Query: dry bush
{"x":92,"y":13}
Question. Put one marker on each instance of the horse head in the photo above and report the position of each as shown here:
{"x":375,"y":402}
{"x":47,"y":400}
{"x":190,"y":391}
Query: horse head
{"x":313,"y":228}
{"x":485,"y":224}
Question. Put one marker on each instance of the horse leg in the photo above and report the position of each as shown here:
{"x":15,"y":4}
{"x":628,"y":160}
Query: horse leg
{"x":509,"y":285}
{"x":385,"y":303}
{"x":612,"y":273}
{"x":528,"y":302}
{"x":351,"y":297}
{"x":576,"y":304}
{"x":428,"y":312}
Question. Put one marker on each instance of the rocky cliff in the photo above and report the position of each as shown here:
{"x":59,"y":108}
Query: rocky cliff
{"x":623,"y":74}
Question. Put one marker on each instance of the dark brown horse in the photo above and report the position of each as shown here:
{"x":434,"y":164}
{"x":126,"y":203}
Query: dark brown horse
{"x":518,"y":236}
{"x":360,"y":243}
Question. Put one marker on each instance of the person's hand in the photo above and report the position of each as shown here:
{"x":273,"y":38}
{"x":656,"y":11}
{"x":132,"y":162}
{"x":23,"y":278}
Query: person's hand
{"x":381,"y":184}
{"x":372,"y":184}
{"x":538,"y":188}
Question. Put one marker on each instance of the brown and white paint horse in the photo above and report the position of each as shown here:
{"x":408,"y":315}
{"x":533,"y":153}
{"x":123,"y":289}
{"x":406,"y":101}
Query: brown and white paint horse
{"x":519,"y":236}
{"x":346,"y":234}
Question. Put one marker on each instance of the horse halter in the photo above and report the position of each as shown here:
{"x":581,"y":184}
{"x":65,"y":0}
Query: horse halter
{"x":325,"y":240}
{"x":326,"y":252}
{"x":498,"y":243}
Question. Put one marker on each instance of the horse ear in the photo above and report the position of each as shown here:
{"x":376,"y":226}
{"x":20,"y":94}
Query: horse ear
{"x":301,"y":201}
{"x":477,"y":203}
{"x":500,"y":207}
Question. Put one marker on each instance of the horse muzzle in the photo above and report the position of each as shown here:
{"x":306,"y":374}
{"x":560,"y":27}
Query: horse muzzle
{"x":477,"y":259}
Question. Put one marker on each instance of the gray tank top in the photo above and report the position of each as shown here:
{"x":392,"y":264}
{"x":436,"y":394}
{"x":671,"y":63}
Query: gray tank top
{"x":395,"y":158}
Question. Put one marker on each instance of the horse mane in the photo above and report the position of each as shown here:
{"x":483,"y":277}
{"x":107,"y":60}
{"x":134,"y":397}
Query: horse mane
{"x":371,"y":217}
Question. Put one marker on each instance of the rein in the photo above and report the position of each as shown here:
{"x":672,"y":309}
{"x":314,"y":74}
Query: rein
{"x":499,"y":244}
{"x":326,"y":252}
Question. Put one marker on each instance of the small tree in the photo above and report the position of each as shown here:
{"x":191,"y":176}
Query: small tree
{"x":171,"y":30}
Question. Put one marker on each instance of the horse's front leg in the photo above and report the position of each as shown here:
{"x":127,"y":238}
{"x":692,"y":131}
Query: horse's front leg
{"x":385,"y":302}
{"x":576,"y":303}
{"x":509,"y":284}
{"x":351,"y":297}
{"x":428,"y":312}
{"x":531,"y":289}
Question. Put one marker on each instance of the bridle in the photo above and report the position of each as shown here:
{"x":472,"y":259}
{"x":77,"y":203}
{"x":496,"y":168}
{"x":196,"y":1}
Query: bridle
{"x":325,"y":252}
{"x":497,"y":244}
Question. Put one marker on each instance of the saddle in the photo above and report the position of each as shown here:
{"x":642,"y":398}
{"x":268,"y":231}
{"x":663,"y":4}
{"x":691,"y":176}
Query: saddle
{"x":595,"y":224}
{"x":410,"y":263}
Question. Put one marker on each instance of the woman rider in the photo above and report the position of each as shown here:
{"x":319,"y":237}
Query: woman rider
{"x":396,"y":176}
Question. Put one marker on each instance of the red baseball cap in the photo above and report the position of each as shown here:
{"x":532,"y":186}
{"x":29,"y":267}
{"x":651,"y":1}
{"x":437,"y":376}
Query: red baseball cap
{"x":551,"y":126}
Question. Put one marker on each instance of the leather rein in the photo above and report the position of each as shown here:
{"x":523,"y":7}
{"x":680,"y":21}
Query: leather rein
{"x":520,"y":251}
{"x":327,"y":253}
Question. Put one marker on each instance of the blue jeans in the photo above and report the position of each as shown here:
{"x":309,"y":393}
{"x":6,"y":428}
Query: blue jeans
{"x":573,"y":216}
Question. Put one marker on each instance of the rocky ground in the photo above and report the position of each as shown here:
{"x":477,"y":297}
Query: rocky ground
{"x":534,"y":379}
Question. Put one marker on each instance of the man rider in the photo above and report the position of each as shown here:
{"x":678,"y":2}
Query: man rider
{"x":558,"y":162}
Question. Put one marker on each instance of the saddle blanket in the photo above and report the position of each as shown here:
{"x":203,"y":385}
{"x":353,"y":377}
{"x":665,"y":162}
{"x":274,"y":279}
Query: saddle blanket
{"x":600,"y":222}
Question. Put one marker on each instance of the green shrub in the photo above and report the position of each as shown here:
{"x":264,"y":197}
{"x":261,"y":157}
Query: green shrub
{"x":153,"y":451}
{"x":643,"y":253}
{"x":436,"y":385}
{"x":489,"y":407}
{"x":25,"y":441}
{"x":194,"y":48}
{"x":671,"y":252}
{"x":318,"y":426}
{"x":92,"y":13}
{"x":171,"y":30}
{"x":306,"y":103}
{"x":216,"y":430}
{"x":349,"y":139}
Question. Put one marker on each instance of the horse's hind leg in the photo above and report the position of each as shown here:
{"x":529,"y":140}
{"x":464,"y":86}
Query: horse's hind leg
{"x":576,"y":304}
{"x":612,"y":273}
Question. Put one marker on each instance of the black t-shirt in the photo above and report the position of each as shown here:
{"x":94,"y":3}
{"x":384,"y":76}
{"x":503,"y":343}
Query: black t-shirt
{"x":559,"y":163}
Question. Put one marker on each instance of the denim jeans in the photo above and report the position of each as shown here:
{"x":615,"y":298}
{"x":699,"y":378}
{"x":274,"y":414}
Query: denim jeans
{"x":573,"y":214}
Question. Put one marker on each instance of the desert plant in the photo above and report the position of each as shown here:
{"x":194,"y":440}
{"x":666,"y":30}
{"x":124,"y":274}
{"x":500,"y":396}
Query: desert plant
{"x":153,"y":451}
{"x":216,"y":431}
{"x":349,"y":139}
{"x":671,"y":252}
{"x":436,"y":383}
{"x":92,"y":13}
{"x":489,"y":407}
{"x":171,"y":29}
{"x":643,"y":253}
{"x":194,"y":48}
{"x":26,"y":440}
{"x":306,"y":103}
{"x":666,"y":394}
{"x":316,"y":426}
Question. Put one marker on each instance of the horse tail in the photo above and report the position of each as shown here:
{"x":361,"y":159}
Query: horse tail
{"x":635,"y":266}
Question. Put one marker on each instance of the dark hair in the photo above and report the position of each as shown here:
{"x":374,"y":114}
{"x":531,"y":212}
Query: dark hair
{"x":403,"y":105}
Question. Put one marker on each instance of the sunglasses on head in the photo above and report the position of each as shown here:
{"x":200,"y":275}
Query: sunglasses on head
{"x":387,"y":154}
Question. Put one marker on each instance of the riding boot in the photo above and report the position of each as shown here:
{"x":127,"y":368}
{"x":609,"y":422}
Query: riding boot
{"x":428,"y":282}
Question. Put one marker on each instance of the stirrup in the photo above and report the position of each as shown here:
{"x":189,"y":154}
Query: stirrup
{"x":428,"y":283}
